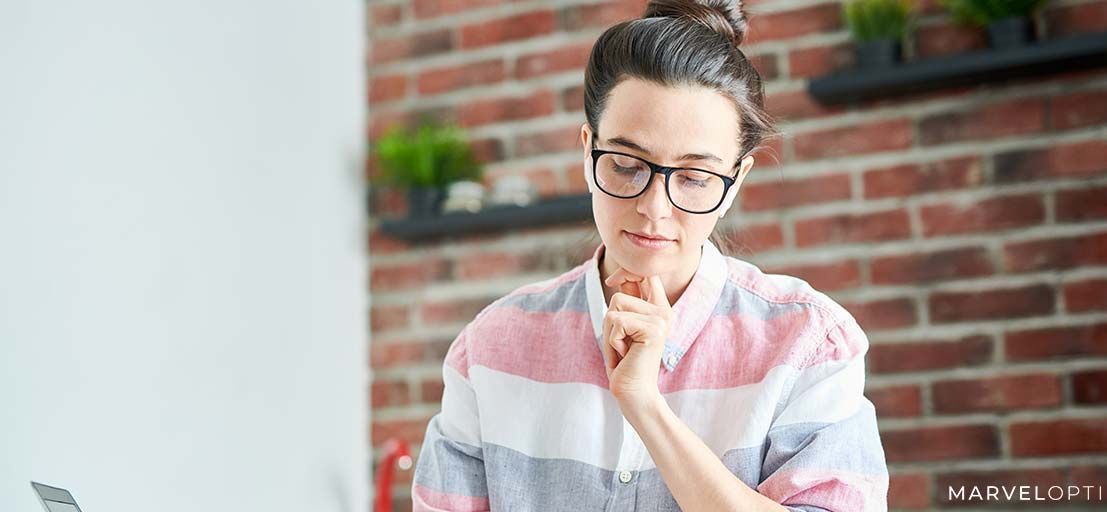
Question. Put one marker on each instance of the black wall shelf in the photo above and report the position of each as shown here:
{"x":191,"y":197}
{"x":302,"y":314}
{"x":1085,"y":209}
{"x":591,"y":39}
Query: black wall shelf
{"x":978,"y":67}
{"x":555,"y":210}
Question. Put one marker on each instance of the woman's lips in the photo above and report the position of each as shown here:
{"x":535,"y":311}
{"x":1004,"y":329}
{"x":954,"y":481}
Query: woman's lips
{"x":648,"y":243}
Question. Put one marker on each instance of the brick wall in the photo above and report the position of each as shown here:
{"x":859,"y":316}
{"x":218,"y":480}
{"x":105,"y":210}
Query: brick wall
{"x":966,"y":229}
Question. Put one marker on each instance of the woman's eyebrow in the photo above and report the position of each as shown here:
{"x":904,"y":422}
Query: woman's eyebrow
{"x":627,"y":143}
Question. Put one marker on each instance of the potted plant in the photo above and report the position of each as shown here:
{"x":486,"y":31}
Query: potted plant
{"x":1008,"y":22}
{"x":424,"y":162}
{"x":879,"y":27}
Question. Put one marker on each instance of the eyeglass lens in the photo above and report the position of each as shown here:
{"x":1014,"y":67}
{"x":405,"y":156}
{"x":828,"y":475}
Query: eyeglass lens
{"x":690,"y":189}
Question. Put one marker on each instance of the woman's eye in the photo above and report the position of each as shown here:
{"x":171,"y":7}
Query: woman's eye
{"x":693,"y":181}
{"x":625,"y":170}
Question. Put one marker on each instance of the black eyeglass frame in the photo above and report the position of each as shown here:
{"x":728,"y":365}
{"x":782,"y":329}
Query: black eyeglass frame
{"x":665,"y":171}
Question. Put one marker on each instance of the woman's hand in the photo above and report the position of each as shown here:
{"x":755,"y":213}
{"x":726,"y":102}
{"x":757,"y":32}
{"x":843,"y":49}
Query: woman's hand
{"x":634,"y":332}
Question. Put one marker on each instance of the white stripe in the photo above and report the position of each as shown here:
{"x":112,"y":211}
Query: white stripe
{"x":827,"y":392}
{"x":583,"y":422}
{"x":459,"y":420}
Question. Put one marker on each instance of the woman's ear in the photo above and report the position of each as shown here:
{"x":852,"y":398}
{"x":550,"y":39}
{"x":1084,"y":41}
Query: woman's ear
{"x":586,"y":141}
{"x":747,"y":164}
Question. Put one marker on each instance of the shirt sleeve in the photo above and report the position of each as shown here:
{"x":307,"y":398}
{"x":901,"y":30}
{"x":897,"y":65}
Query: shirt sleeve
{"x":824,"y":450}
{"x":449,"y":473}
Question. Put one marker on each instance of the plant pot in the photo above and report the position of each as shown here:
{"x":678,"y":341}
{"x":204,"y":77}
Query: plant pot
{"x":423,"y":202}
{"x":879,"y":53}
{"x":1010,"y":32}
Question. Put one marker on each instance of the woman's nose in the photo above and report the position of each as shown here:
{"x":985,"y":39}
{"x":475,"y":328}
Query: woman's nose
{"x":654,"y":202}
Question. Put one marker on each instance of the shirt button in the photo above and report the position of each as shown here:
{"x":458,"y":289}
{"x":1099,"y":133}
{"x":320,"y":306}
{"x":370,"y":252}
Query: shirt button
{"x":671,"y":361}
{"x":625,"y":476}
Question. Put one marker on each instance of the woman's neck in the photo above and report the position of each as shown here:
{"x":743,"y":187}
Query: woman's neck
{"x":675,"y":282}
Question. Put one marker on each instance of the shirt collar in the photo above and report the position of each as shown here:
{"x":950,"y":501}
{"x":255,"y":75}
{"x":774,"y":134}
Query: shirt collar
{"x":690,"y":313}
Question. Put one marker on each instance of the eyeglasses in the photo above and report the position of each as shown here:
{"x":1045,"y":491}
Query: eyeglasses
{"x":627,"y":176}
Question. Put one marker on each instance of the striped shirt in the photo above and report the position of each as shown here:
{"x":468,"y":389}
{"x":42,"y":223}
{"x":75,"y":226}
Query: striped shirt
{"x":767,"y":371}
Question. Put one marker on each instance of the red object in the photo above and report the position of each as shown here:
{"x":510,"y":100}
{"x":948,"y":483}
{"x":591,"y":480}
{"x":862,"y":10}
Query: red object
{"x":396,"y":453}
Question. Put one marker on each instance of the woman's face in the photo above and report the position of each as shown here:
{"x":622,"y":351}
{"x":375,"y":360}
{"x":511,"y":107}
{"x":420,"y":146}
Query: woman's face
{"x":664,"y":125}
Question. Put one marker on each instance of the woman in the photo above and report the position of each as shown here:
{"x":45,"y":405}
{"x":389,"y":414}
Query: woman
{"x":660,"y":374}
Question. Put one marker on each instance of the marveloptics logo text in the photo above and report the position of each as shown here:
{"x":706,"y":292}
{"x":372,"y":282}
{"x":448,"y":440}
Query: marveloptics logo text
{"x":1025,"y":493}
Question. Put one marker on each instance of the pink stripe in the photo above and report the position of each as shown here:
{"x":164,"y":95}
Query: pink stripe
{"x":834,"y":490}
{"x":424,"y":499}
{"x":542,"y":346}
{"x":457,"y":357}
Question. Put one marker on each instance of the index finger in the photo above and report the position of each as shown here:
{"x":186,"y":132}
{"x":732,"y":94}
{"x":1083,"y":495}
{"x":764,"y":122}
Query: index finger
{"x":655,"y":291}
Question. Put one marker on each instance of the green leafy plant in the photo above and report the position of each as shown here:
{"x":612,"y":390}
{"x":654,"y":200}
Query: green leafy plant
{"x":433,"y":155}
{"x":983,"y":12}
{"x":868,"y":20}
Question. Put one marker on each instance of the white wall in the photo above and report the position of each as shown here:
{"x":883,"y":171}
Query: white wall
{"x":182,"y":283}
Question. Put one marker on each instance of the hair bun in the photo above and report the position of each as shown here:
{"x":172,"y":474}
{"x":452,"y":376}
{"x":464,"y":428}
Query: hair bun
{"x":722,"y":16}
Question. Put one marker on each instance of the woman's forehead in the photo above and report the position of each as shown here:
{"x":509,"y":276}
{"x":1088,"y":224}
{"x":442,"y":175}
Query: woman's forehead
{"x":671,"y":121}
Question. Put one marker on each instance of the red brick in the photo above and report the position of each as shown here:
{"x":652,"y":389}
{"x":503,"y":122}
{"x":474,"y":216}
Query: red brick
{"x":1081,"y":204}
{"x":824,"y":276}
{"x":909,"y":491}
{"x":768,"y":153}
{"x":1056,"y":342}
{"x":549,"y":141}
{"x":600,"y":14}
{"x":389,"y":393}
{"x":929,"y":355}
{"x":1043,"y":479}
{"x":940,"y":265}
{"x":912,"y":179}
{"x":990,"y":215}
{"x":1077,"y":110}
{"x":1020,"y":302}
{"x":412,"y":45}
{"x":511,"y":28}
{"x":387,"y":88}
{"x":461,"y":310}
{"x":1058,"y":437}
{"x":1077,"y":160}
{"x":573,"y":57}
{"x":786,"y":194}
{"x":381,"y":243}
{"x":826,"y":17}
{"x":451,"y":78}
{"x":796,"y":105}
{"x":572,"y":99}
{"x":395,"y":354}
{"x":431,"y":390}
{"x":385,"y":15}
{"x":948,"y":38}
{"x":1015,"y":117}
{"x":387,"y":318}
{"x":410,"y":430}
{"x":1056,"y":253}
{"x":487,"y":150}
{"x":1004,"y":393}
{"x":940,"y":443}
{"x":508,"y":108}
{"x":484,"y":265}
{"x":1084,"y":296}
{"x":883,"y":314}
{"x":820,"y":60}
{"x":758,"y":237}
{"x":1089,"y":387}
{"x":766,"y":65}
{"x":392,"y":277}
{"x":1095,"y":476}
{"x":1076,"y":19}
{"x":896,"y":401}
{"x":852,"y":228}
{"x":432,"y":8}
{"x":853,"y":140}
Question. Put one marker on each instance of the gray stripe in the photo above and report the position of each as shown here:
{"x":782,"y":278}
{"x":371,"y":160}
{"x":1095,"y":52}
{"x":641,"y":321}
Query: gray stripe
{"x":852,"y":444}
{"x":449,"y":466}
{"x":736,"y":299}
{"x":569,"y":296}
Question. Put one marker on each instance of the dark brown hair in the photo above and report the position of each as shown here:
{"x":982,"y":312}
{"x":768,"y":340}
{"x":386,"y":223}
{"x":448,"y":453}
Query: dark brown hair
{"x":683,"y":43}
